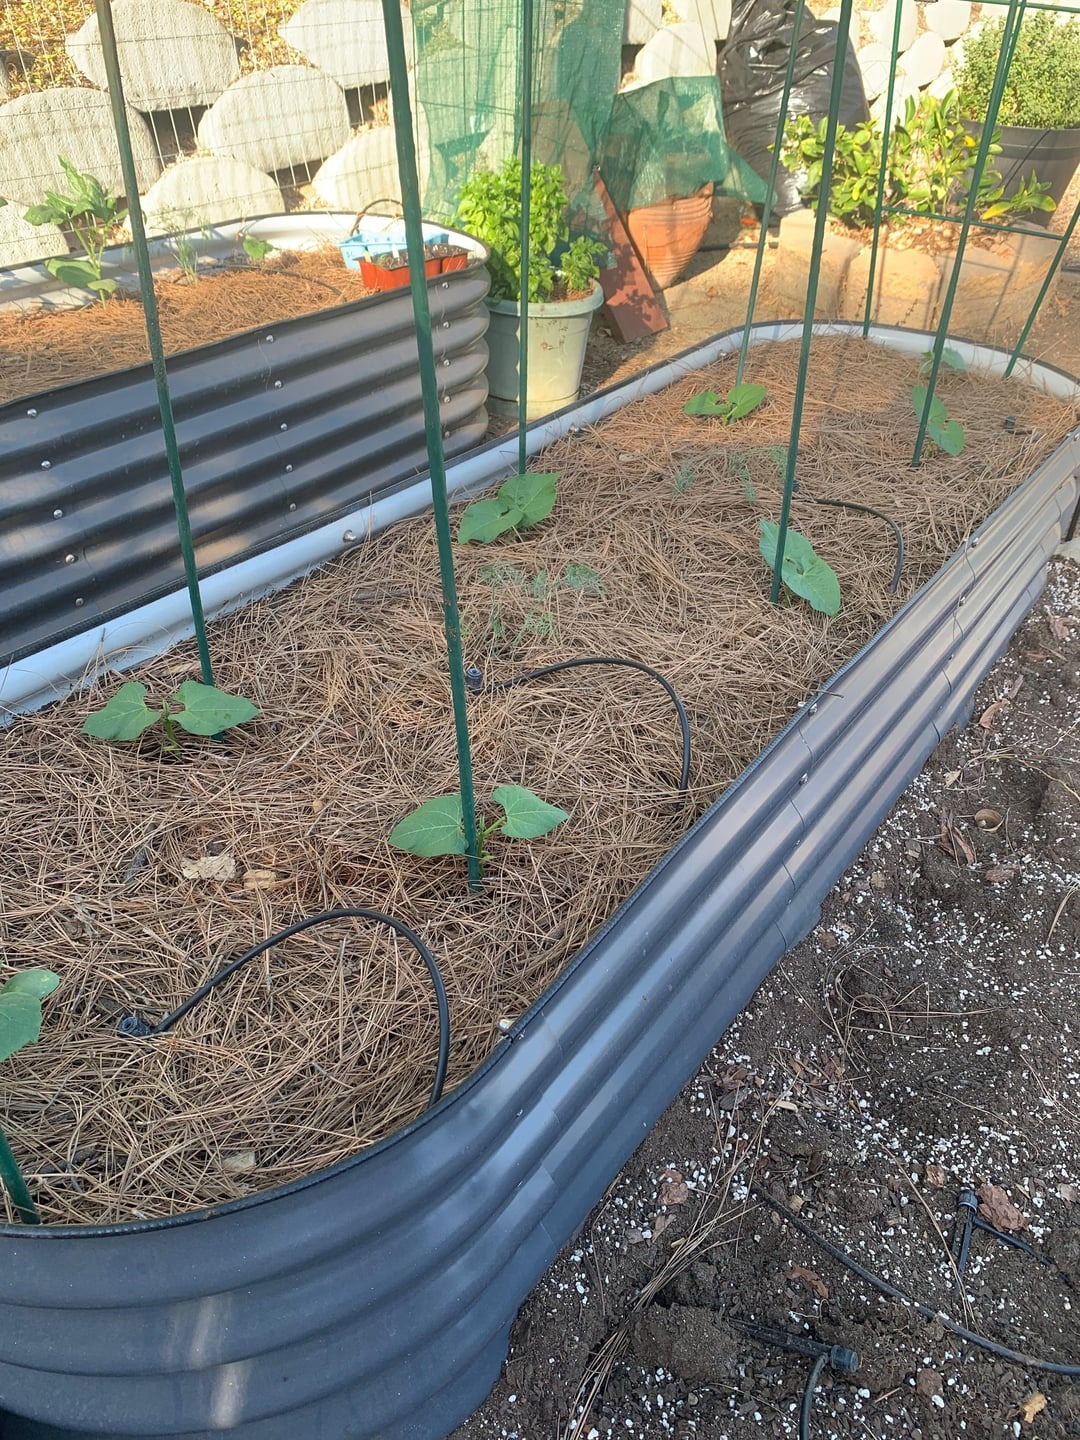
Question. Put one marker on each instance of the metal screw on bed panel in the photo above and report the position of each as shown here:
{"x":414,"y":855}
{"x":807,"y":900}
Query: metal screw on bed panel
{"x":277,"y":384}
{"x":446,"y":399}
{"x":46,"y":465}
{"x":78,"y":603}
{"x":69,"y":559}
{"x":446,"y":324}
{"x":505,"y":1025}
{"x":288,"y":469}
{"x":57,"y":514}
{"x":962,"y":600}
{"x":293,"y":505}
{"x":445,"y":285}
{"x":446,"y":362}
{"x":348,"y":537}
{"x":973,"y":541}
{"x":32,"y":413}
{"x":269,"y":339}
{"x":803,"y":779}
{"x":284,"y":426}
{"x":813,"y":708}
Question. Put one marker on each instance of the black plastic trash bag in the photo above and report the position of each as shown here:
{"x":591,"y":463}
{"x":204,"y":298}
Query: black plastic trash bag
{"x":752,"y":69}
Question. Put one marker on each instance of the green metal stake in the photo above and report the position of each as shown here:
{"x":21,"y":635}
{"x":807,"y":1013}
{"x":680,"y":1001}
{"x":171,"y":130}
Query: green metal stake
{"x":15,"y":1185}
{"x":770,"y":194}
{"x":1050,"y":273}
{"x":1010,"y":35}
{"x":526,"y":201}
{"x":153,"y":328}
{"x":886,"y":136}
{"x":843,"y":27}
{"x":414,"y":240}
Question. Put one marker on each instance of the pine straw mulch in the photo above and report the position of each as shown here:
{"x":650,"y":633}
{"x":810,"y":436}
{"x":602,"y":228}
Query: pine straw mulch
{"x":328,"y":1044}
{"x":45,"y":349}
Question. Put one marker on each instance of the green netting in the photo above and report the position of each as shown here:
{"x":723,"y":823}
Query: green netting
{"x":651,"y":142}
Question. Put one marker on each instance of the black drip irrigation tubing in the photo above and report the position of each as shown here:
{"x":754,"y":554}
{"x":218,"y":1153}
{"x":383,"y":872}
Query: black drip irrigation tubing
{"x":1016,"y":1357}
{"x":836,"y":1357}
{"x":894,"y":583}
{"x":475,"y":682}
{"x":135,"y":1025}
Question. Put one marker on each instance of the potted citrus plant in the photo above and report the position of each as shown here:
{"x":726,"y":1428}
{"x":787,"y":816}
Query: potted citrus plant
{"x":1039,"y":119}
{"x":563,"y":282}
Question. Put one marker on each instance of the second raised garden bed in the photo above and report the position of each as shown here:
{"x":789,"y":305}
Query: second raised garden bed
{"x":374,"y":1297}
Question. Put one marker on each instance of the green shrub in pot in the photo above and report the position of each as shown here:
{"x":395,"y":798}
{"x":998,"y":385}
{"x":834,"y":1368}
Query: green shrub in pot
{"x":1042,"y":89}
{"x":489,"y":207}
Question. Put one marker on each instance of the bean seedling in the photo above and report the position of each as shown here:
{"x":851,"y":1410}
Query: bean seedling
{"x":438,"y":827}
{"x":92,"y":212}
{"x":803,"y":571}
{"x":740,"y":400}
{"x":202,"y":710}
{"x":947,"y":435}
{"x":20,"y":1024}
{"x":523,"y":500}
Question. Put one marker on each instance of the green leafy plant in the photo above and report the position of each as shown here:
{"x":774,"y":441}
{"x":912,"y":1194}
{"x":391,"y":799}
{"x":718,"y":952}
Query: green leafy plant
{"x":950,"y":358}
{"x":740,"y":400}
{"x":20,"y":1024}
{"x":438,"y":826}
{"x":803,"y":571}
{"x":931,"y":154}
{"x":20,"y":1008}
{"x":947,"y":435}
{"x":1042,"y":89}
{"x":523,"y":500}
{"x":199,"y":709}
{"x":489,"y":207}
{"x":256,"y":249}
{"x":93,"y":213}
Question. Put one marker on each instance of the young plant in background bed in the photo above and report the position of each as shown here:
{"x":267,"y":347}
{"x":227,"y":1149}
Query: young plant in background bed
{"x":20,"y":1024}
{"x":740,"y":400}
{"x":92,"y":213}
{"x":438,"y":828}
{"x":803,"y":572}
{"x":198,"y":709}
{"x":947,"y":435}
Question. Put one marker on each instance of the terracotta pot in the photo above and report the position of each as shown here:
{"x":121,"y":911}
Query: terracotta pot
{"x":666,"y":236}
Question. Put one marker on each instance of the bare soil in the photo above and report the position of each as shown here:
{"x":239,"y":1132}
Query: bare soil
{"x":136,"y":874}
{"x":922,"y":1040}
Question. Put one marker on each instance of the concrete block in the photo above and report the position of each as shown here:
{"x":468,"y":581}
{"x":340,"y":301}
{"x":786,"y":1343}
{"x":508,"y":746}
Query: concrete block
{"x":365,"y":170}
{"x":907,"y":287}
{"x":948,"y":18}
{"x":643,"y":19}
{"x":674,"y":51}
{"x":881,"y":24}
{"x":345,"y":39}
{"x":207,"y":190}
{"x":20,"y":243}
{"x":791,"y":272}
{"x":925,"y":60}
{"x":874,"y":62}
{"x":277,"y":118}
{"x":712,"y":17}
{"x":73,"y":122}
{"x":172,"y":54}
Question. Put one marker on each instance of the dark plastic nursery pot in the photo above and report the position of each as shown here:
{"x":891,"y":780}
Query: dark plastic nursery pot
{"x":1051,"y":155}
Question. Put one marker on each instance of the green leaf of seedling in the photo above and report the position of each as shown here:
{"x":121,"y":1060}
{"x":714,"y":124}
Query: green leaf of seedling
{"x":950,"y":358}
{"x":527,"y":816}
{"x":39,"y":215}
{"x":256,"y":249}
{"x":20,"y":1008}
{"x":208,"y":711}
{"x":125,"y":717}
{"x":532,"y":495}
{"x":948,"y":437}
{"x":584,"y":579}
{"x":742,"y":399}
{"x":435,"y":828}
{"x":707,"y":402}
{"x":79,"y":273}
{"x":803,"y":570}
{"x":486,"y":520}
{"x":938,"y":414}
